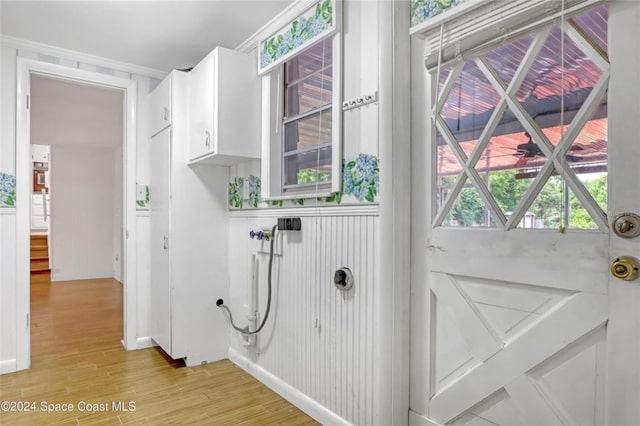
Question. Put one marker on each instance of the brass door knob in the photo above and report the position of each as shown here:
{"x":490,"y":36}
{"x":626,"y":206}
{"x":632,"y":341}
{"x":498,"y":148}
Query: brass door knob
{"x":625,"y":268}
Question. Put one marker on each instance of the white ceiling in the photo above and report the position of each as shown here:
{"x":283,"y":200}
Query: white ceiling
{"x":66,"y":113}
{"x":162,"y":35}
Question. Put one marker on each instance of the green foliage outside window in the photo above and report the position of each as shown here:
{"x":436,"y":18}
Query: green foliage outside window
{"x":313,"y":176}
{"x":469,"y":209}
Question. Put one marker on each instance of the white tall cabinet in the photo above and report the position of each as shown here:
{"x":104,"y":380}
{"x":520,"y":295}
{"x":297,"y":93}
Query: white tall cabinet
{"x":188,"y":214}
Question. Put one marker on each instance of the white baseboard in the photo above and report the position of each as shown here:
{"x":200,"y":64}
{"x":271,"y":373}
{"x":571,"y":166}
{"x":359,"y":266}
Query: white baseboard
{"x":145,"y":342}
{"x":8,"y":366}
{"x":416,"y":419}
{"x":288,"y":392}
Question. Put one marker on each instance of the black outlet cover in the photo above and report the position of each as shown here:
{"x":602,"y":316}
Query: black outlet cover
{"x":289,"y":224}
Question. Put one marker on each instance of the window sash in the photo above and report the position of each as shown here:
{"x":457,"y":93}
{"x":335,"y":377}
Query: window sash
{"x":272,"y":163}
{"x":288,"y":120}
{"x":307,"y":149}
{"x":291,"y":156}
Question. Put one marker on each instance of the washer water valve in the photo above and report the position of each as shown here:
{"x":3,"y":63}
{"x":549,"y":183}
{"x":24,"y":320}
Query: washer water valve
{"x":343,"y":279}
{"x":260,"y":234}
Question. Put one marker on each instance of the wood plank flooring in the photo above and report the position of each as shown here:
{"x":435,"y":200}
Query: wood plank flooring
{"x":79,"y":363}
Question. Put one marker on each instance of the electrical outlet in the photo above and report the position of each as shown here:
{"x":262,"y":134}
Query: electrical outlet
{"x":289,"y":224}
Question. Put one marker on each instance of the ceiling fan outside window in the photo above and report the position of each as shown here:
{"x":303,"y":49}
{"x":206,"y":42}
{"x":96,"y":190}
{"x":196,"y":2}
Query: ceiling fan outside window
{"x":530,"y":149}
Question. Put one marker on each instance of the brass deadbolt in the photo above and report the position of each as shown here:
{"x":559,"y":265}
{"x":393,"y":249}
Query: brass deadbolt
{"x":625,"y":268}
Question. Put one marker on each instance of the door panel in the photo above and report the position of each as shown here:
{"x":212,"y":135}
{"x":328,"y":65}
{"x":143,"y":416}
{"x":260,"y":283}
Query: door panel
{"x":511,"y":367}
{"x":159,"y":199}
{"x":521,"y":256}
{"x":527,"y":326}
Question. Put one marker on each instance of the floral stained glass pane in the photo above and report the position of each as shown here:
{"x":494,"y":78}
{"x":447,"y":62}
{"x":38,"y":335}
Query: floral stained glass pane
{"x":421,"y":10}
{"x":308,"y":26}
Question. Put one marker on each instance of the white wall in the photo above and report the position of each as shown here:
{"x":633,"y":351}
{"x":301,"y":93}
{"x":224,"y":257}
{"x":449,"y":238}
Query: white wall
{"x":82,"y":206}
{"x":117,"y":214}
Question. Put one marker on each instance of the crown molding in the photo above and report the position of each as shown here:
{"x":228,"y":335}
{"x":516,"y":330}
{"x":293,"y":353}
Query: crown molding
{"x":86,"y":58}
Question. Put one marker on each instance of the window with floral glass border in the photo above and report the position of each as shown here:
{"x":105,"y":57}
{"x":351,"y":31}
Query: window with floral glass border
{"x":302,"y":124}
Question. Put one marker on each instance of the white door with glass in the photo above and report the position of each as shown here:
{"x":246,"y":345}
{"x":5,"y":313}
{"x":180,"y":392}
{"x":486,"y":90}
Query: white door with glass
{"x":534,"y":143}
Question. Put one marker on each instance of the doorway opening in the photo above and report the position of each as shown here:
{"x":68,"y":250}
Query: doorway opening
{"x":92,"y":160}
{"x":76,"y":202}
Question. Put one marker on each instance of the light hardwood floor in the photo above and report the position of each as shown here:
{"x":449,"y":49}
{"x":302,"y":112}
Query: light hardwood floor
{"x":77,"y":359}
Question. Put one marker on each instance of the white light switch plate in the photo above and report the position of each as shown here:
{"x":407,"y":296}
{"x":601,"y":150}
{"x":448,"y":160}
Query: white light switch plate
{"x":141,"y":192}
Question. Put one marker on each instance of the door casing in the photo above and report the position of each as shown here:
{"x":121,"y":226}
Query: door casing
{"x":25,"y":68}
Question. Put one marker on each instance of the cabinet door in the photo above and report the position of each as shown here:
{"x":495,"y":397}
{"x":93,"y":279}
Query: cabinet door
{"x":160,"y":107}
{"x":201,"y":96}
{"x":159,"y":207}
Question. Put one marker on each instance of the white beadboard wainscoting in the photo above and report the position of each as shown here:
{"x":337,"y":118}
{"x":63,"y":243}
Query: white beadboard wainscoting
{"x":320,"y":347}
{"x":144,"y":279}
{"x":8,"y":318}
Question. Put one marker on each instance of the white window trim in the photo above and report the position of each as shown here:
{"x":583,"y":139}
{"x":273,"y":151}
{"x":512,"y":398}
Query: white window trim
{"x":272,"y":132}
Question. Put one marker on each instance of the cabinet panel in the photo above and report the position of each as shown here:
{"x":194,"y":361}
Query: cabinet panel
{"x":160,"y":107}
{"x":159,"y":189}
{"x":201,"y":108}
{"x":224,"y":108}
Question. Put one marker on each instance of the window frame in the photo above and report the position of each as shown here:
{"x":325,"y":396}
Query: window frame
{"x":273,"y":123}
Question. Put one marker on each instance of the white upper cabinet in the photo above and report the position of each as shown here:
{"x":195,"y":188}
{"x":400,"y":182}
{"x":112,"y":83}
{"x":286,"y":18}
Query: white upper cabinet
{"x":160,"y":107}
{"x":224,"y":109}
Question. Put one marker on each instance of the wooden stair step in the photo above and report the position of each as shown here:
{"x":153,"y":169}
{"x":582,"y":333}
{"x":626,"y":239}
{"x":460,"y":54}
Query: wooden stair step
{"x":40,"y":268}
{"x":39,"y":263}
{"x":39,"y":251}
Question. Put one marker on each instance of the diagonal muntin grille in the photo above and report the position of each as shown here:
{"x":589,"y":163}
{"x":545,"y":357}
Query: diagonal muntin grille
{"x":554,"y":156}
